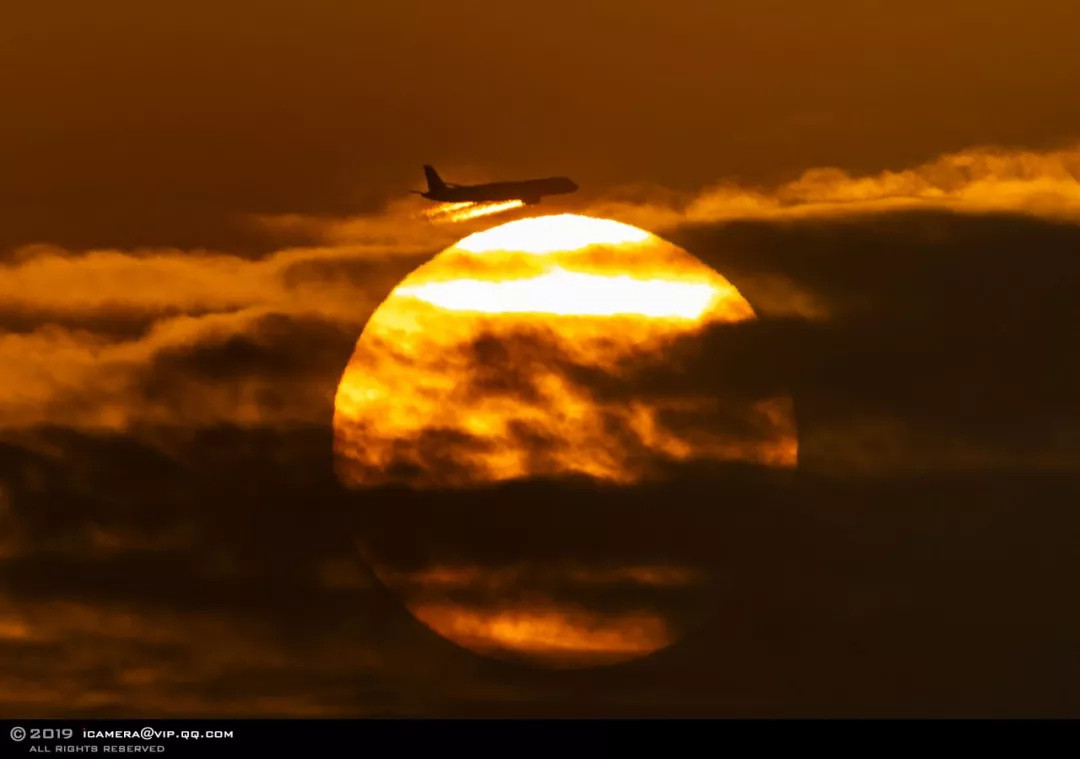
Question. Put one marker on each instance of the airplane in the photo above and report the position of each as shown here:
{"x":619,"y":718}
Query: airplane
{"x":530,"y":191}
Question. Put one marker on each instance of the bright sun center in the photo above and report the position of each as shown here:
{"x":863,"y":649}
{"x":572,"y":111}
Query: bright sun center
{"x":570,"y":293}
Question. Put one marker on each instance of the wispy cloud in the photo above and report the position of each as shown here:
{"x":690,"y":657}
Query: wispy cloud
{"x":81,"y":332}
{"x":979,"y":180}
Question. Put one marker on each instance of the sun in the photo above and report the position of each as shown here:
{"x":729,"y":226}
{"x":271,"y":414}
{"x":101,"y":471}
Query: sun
{"x":469,"y":372}
{"x":562,"y":349}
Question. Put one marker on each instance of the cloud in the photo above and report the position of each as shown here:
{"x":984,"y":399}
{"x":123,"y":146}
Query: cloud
{"x":104,"y":339}
{"x":47,"y":282}
{"x":173,"y":540}
{"x":401,"y":227}
{"x":90,"y":335}
{"x":111,"y":339}
{"x":977,"y":181}
{"x":232,"y":368}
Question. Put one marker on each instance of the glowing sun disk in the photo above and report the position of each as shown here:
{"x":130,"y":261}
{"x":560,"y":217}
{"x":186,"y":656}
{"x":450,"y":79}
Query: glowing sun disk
{"x":568,"y":293}
{"x":563,"y":349}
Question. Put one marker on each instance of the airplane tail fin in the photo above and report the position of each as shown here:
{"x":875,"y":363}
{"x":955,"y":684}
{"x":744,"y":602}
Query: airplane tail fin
{"x":434,"y":181}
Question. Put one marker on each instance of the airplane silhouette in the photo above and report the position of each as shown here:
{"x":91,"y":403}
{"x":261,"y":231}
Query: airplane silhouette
{"x":530,"y":191}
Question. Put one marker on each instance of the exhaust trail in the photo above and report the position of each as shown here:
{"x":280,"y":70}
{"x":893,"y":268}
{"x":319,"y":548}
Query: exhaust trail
{"x":457,"y":212}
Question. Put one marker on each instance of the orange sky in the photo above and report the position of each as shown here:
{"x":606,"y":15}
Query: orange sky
{"x":202,"y":203}
{"x":132,"y":123}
